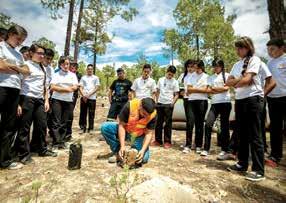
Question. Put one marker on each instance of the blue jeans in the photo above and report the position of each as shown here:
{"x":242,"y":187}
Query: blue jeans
{"x":109,"y":131}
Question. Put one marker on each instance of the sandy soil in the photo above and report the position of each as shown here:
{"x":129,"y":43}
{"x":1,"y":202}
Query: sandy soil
{"x":207,"y":177}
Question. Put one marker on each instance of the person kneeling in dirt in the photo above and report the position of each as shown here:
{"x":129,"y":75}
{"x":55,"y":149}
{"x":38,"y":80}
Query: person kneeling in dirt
{"x":136,"y":122}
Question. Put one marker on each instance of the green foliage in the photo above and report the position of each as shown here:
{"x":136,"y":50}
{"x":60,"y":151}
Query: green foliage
{"x":36,"y":186}
{"x":203,"y":20}
{"x":122,"y":183}
{"x":54,"y":6}
{"x":5,"y":21}
{"x":81,"y":67}
{"x":94,"y":36}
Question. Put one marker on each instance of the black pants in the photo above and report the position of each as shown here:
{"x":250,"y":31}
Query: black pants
{"x":9,"y":99}
{"x":69,"y":125}
{"x":248,"y":120}
{"x":222,"y":109}
{"x":88,"y":106}
{"x":115,"y":109}
{"x":188,"y":123}
{"x":164,"y":114}
{"x":197,"y":110}
{"x":277,"y":114}
{"x":234,"y":140}
{"x":33,"y":110}
{"x":263,"y":130}
{"x":61,"y":116}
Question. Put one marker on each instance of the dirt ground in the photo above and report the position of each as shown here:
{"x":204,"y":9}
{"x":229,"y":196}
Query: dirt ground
{"x":207,"y":177}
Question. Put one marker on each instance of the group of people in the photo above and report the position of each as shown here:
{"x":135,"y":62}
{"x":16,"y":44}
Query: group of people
{"x":255,"y":83}
{"x":33,"y":92}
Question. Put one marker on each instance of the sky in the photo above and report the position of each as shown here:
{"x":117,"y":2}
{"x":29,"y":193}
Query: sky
{"x":141,"y":36}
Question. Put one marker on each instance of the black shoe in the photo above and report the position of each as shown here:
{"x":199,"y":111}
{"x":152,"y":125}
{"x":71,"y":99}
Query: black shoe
{"x":82,"y":131}
{"x":27,"y":160}
{"x":48,"y":153}
{"x":237,"y":167}
{"x":68,"y":138}
{"x":62,"y":146}
{"x":254,"y":176}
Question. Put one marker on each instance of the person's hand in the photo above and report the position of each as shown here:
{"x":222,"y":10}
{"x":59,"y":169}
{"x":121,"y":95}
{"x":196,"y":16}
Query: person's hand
{"x":47,"y":106}
{"x":19,"y":111}
{"x":84,"y":98}
{"x":121,"y":152}
{"x":139,"y":157}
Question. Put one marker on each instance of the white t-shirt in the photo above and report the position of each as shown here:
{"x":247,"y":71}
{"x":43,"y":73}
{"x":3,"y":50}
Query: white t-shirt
{"x":216,"y":80}
{"x":33,"y":84}
{"x":198,"y":81}
{"x":255,"y":89}
{"x":64,"y":79}
{"x":167,"y":88}
{"x":14,"y":57}
{"x":49,"y":74}
{"x":89,"y":83}
{"x":49,"y":71}
{"x":277,"y":67}
{"x":185,"y":81}
{"x":144,"y":88}
{"x":265,"y":73}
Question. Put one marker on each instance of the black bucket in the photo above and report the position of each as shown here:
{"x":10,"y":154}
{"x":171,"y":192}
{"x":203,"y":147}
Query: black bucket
{"x":75,"y":156}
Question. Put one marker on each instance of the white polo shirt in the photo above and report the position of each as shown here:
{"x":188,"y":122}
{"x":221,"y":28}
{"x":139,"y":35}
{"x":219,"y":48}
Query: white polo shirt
{"x":49,"y":71}
{"x":144,"y":88}
{"x":265,"y":73}
{"x":167,"y":88}
{"x":255,"y":88}
{"x":216,"y":80}
{"x":185,"y":81}
{"x":64,"y":79}
{"x":14,"y":57}
{"x":198,"y":81}
{"x":33,"y":84}
{"x":89,"y":83}
{"x":277,"y":67}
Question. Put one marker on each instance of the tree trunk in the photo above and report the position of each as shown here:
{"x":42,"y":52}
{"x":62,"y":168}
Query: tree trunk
{"x":94,"y":61}
{"x":77,"y":34}
{"x":277,"y":17}
{"x":69,"y":28}
{"x":198,"y":47}
{"x":172,"y":56}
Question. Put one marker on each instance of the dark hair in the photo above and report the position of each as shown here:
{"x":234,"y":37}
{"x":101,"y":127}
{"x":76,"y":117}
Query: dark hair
{"x":34,"y":47}
{"x":147,"y":66}
{"x":3,"y":33}
{"x":50,"y":52}
{"x":200,"y":64}
{"x":171,"y":69}
{"x":276,"y":42}
{"x":186,"y":65}
{"x":73,"y":64}
{"x":148,"y":105}
{"x":245,"y":42}
{"x":89,"y":65}
{"x":119,"y":70}
{"x":17,"y":30}
{"x":63,"y":59}
{"x":24,"y":49}
{"x":220,"y":63}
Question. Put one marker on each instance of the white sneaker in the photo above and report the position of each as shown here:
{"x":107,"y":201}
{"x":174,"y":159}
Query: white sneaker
{"x":15,"y":166}
{"x":198,"y":150}
{"x":186,"y":150}
{"x":204,"y":153}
